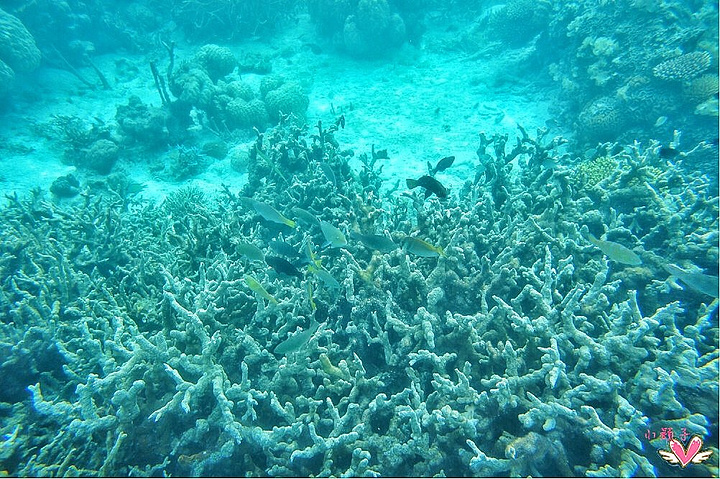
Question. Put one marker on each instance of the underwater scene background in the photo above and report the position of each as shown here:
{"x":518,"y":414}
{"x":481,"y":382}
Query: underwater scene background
{"x":359,"y":238}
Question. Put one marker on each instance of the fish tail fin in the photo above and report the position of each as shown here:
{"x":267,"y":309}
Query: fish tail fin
{"x":431,"y":171}
{"x":411,"y":183}
{"x":290,"y":223}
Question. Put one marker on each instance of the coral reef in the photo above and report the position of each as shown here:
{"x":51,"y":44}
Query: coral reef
{"x":364,"y":28}
{"x":231,"y":19}
{"x":18,"y":52}
{"x":286,"y":98}
{"x":636,"y":58}
{"x":142,"y":124}
{"x":518,"y":21}
{"x":132,"y":344}
{"x":601,"y":120}
{"x":683,"y":68}
{"x":217,"y":61}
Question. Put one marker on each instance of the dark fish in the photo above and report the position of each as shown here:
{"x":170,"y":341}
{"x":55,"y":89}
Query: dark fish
{"x":704,"y":283}
{"x":283,"y":248}
{"x":668,"y":152}
{"x":442,"y":165}
{"x":305,"y":216}
{"x":430,"y":184}
{"x":282,"y":266}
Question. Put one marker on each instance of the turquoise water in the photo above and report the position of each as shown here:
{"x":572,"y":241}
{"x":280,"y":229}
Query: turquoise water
{"x":359,"y":238}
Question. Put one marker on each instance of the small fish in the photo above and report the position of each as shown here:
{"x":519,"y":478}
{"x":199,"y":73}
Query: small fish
{"x":297,"y":341}
{"x":324,"y":275}
{"x":421,"y":248}
{"x":305,"y":216}
{"x":255,"y":285}
{"x":430,"y":184}
{"x":310,"y":257}
{"x":660,"y":121}
{"x":250,"y":251}
{"x":382,"y":243}
{"x":271,"y":214}
{"x":282,"y":266}
{"x":329,"y":173}
{"x":284,"y":248}
{"x":442,"y":165}
{"x":333,"y":236}
{"x":668,"y":152}
{"x":309,"y":289}
{"x":330,"y":369}
{"x":616,"y":251}
{"x":703,"y":283}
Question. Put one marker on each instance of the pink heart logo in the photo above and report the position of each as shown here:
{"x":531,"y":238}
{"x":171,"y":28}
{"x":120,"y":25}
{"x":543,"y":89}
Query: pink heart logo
{"x":685,"y":455}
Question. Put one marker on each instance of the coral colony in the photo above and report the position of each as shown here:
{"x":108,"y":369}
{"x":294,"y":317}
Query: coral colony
{"x":555,"y":314}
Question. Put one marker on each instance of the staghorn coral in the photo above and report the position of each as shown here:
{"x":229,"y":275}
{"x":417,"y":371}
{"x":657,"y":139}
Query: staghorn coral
{"x":683,"y":68}
{"x":146,"y":354}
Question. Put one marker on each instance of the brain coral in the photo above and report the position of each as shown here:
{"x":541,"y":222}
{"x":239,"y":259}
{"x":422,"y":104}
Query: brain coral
{"x":518,"y":20}
{"x":236,"y":89}
{"x":601,"y":119}
{"x":701,"y":88}
{"x":18,"y":52}
{"x":217,"y":61}
{"x":246,"y":114}
{"x":192,"y":86}
{"x":684,"y":67}
{"x":7,"y":76}
{"x":17,"y":46}
{"x":287,"y":98}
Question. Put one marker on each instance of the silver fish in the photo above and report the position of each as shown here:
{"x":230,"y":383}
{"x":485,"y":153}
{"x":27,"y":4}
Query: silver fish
{"x":703,"y":283}
{"x":297,"y":341}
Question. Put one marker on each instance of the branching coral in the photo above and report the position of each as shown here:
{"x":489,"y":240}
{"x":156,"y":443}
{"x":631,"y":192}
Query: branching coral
{"x":525,"y":350}
{"x":683,"y":68}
